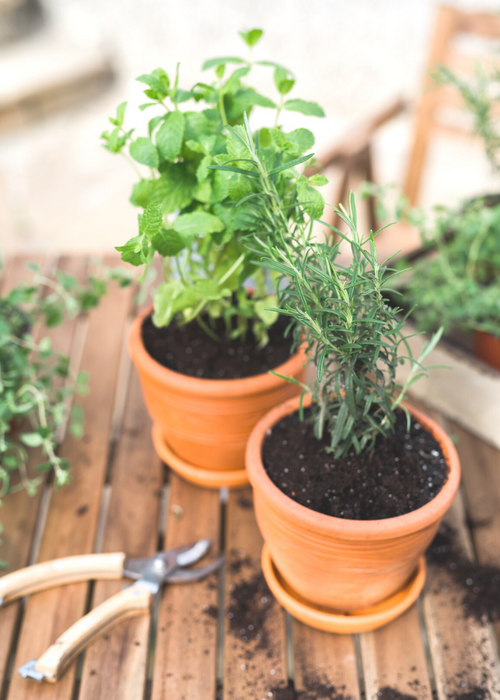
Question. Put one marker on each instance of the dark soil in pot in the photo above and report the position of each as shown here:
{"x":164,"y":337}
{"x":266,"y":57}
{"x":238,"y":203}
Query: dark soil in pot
{"x":189,"y":350}
{"x":402,"y":473}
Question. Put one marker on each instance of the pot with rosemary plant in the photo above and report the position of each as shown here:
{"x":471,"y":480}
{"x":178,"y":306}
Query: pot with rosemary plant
{"x":36,"y":384}
{"x":204,"y":353}
{"x":349,"y":482}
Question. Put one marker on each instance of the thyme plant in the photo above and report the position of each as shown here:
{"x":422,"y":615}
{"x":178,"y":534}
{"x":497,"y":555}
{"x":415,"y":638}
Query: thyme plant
{"x":188,"y":216}
{"x":35,"y":380}
{"x":354,"y":337}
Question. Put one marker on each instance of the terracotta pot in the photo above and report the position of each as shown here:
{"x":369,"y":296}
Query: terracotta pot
{"x":202,"y":425}
{"x":343,"y":565}
{"x":487,"y":348}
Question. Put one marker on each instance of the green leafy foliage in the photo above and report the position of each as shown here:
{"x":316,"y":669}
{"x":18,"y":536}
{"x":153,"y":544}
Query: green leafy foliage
{"x":188,"y":217}
{"x":459,"y":285}
{"x":36,"y":384}
{"x":353,"y":336}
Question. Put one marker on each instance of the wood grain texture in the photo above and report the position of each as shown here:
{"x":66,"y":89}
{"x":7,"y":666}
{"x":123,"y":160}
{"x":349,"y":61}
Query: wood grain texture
{"x":115,"y":666}
{"x":186,"y":643}
{"x":481,"y":480}
{"x":394,"y":657}
{"x":463,"y":650}
{"x":324,"y":663}
{"x":19,"y":511}
{"x":73,"y":514}
{"x":254,"y":659}
{"x":443,"y":32}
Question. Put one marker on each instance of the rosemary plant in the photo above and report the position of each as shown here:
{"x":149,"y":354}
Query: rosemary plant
{"x":354,"y":337}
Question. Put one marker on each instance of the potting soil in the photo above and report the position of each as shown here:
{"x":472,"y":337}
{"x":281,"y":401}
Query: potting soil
{"x":402,"y":473}
{"x":189,"y":350}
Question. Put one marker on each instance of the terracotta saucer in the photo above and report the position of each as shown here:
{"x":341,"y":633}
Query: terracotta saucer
{"x":209,"y":478}
{"x":342,"y":623}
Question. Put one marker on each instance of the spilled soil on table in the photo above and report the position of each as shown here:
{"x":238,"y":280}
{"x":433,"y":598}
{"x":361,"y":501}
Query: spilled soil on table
{"x":478,"y":584}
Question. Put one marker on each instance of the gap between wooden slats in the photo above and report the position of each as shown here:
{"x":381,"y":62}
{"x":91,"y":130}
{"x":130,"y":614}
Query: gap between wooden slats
{"x":481,"y":483}
{"x":185,"y":657}
{"x":115,"y":666}
{"x":73,"y":513}
{"x":253,"y":667}
{"x":20,"y":514}
{"x":463,"y":650}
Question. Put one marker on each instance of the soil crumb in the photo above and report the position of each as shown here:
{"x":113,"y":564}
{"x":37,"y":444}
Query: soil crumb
{"x":479,"y":584}
{"x":388,"y":693}
{"x":315,"y":690}
{"x":212,"y":611}
{"x":248,"y":612}
{"x":402,"y":473}
{"x":189,"y":350}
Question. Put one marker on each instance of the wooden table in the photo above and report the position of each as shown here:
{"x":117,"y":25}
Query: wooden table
{"x":122,"y":499}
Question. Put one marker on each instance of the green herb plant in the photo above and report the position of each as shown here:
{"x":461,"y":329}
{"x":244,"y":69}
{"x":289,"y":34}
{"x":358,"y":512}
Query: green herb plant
{"x":457,"y":285}
{"x":188,"y":215}
{"x":35,"y":380}
{"x":354,"y":337}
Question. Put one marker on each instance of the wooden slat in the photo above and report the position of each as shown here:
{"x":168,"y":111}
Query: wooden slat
{"x":463,"y":651}
{"x":186,"y":643}
{"x":20,"y":511}
{"x":394,"y":657}
{"x":481,"y":479}
{"x":253,"y":666}
{"x":324,"y":663}
{"x":115,"y":667}
{"x":72,"y":518}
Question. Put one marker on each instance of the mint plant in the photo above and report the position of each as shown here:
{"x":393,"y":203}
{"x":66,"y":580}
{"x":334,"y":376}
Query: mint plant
{"x":35,"y":380}
{"x":354,"y":337}
{"x":188,"y":215}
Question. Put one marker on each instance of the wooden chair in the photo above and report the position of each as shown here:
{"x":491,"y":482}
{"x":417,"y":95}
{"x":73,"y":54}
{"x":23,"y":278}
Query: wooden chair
{"x":354,"y":152}
{"x":450,"y":24}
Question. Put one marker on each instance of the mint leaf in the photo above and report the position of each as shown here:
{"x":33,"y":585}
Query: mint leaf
{"x":170,"y":135}
{"x":203,"y":192}
{"x":283,"y":80}
{"x":266,"y":316}
{"x":175,"y":188}
{"x":159,"y":83}
{"x":209,"y":290}
{"x":143,"y":151}
{"x":170,"y":298}
{"x":310,"y":109}
{"x":245,"y":99}
{"x":311,"y":200}
{"x":150,"y":222}
{"x":318,"y":180}
{"x":168,"y":242}
{"x":302,"y":139}
{"x":120,"y":114}
{"x":214,"y":62}
{"x":251,"y":37}
{"x":131,"y":251}
{"x":197,"y":223}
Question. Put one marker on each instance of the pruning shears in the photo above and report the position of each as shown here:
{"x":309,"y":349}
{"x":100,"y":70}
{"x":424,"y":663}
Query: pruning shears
{"x":150,"y":573}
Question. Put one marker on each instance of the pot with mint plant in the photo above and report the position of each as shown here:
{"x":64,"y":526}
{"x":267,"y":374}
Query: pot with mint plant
{"x":203,"y":352}
{"x":350,"y":483}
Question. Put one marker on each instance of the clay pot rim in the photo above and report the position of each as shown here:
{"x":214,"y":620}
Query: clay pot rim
{"x":398,"y":526}
{"x":220,"y":388}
